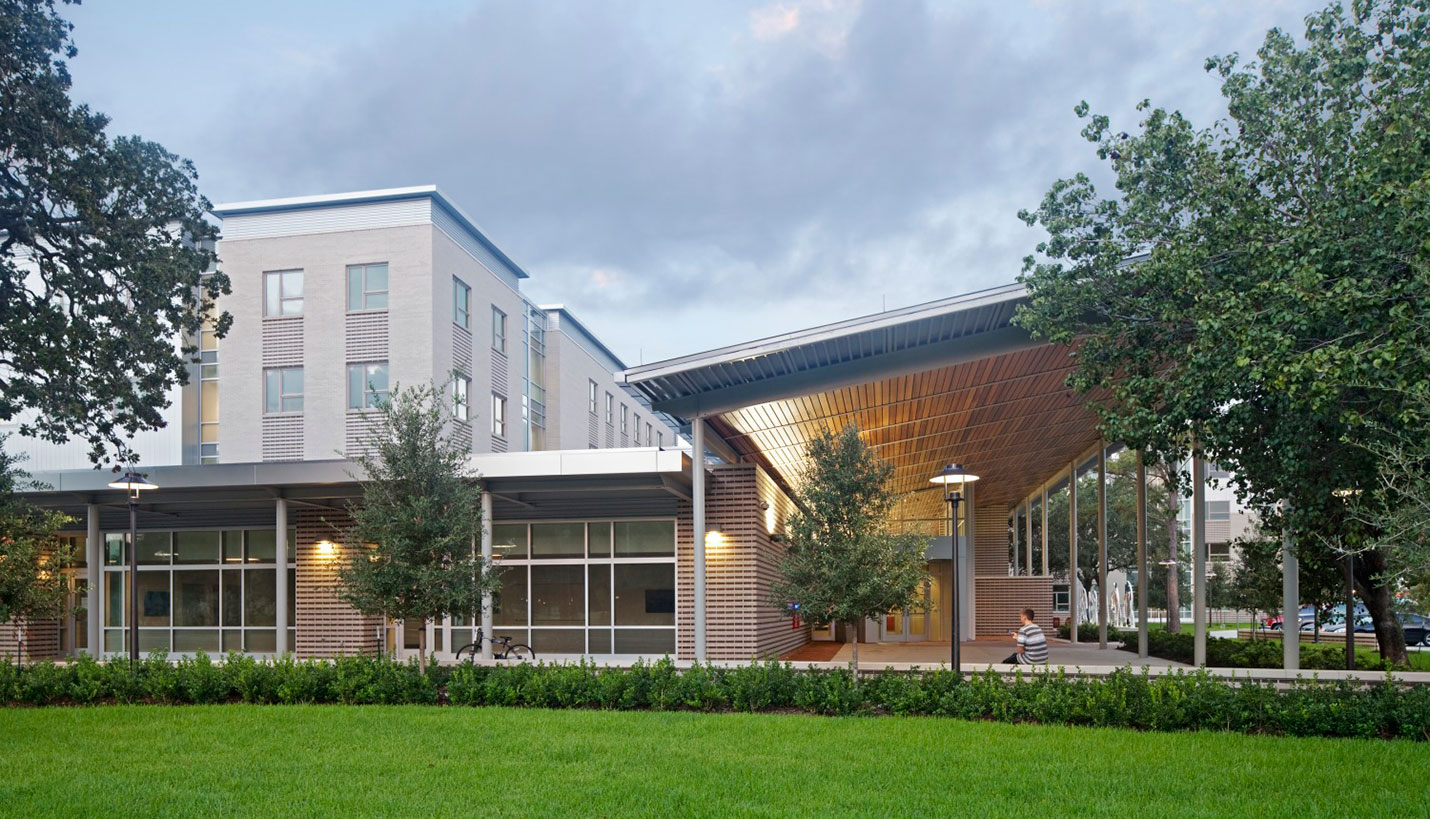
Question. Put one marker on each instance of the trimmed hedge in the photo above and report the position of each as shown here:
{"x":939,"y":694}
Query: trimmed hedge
{"x":1125,"y":699}
{"x":1225,"y":652}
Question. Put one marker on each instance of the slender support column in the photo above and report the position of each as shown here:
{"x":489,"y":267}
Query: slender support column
{"x":486,"y":647}
{"x":1141,"y":556}
{"x":1350,"y":612}
{"x":133,"y":624}
{"x":1199,"y":559}
{"x":1045,"y":532}
{"x":284,"y":605}
{"x":697,"y":517}
{"x":1026,"y":556}
{"x":1102,"y":546}
{"x":1290,"y":602}
{"x":1074,"y":605}
{"x":94,"y":572}
{"x":968,"y":615}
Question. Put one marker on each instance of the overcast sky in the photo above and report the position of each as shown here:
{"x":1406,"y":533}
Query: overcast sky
{"x":681,"y":175}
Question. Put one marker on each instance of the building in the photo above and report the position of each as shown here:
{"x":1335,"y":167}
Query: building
{"x":609,"y":546}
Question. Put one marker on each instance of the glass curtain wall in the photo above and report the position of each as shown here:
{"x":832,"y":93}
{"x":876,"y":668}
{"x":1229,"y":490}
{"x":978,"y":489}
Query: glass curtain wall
{"x":581,"y":587}
{"x":211,"y":590}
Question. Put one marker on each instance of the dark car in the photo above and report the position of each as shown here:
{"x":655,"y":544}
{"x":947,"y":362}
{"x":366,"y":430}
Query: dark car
{"x":1417,"y":629}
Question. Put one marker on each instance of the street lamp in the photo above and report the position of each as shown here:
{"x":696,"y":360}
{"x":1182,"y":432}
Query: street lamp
{"x":133,"y":483}
{"x":954,"y":475}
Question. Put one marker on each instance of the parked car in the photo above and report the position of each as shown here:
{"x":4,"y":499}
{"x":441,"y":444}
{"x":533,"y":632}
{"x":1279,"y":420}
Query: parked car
{"x":1307,"y":613}
{"x":1417,"y":629}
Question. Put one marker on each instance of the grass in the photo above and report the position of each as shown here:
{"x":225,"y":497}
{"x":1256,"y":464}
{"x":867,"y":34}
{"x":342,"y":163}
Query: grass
{"x":239,"y":760}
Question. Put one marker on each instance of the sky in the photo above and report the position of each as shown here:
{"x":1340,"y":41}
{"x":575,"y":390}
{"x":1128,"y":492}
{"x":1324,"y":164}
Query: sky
{"x":683,"y":175}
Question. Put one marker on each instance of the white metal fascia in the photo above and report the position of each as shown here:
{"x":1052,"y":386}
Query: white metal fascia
{"x":826,"y":332}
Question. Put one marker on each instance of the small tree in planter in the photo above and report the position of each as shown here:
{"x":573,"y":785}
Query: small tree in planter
{"x":412,"y":540}
{"x":31,"y":587}
{"x":842,"y":563}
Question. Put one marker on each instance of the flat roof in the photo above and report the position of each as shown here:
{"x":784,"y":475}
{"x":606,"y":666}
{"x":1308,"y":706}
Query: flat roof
{"x":329,"y":200}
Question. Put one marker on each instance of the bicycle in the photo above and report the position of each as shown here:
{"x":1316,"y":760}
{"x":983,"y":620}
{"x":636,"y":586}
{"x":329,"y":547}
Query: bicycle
{"x":509,"y":650}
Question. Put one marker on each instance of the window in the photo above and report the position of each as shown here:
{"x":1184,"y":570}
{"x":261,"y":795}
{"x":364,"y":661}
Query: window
{"x":591,"y":396}
{"x":625,"y":419}
{"x":610,"y":409}
{"x":283,"y":293}
{"x":1219,"y":551}
{"x":1216,"y":473}
{"x":367,"y":287}
{"x":208,"y":395}
{"x":648,"y":439}
{"x":498,"y":416}
{"x":498,"y":330}
{"x":1061,"y":595}
{"x":283,"y":390}
{"x":1218,"y":510}
{"x":367,"y":385}
{"x":636,"y":422}
{"x":198,"y":590}
{"x":461,"y":304}
{"x":660,"y":438}
{"x":461,"y":386}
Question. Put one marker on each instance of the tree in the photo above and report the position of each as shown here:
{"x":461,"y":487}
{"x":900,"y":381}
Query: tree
{"x":103,"y":253}
{"x":1256,"y":289}
{"x":412,"y":543}
{"x":843,"y":563}
{"x":31,"y":553}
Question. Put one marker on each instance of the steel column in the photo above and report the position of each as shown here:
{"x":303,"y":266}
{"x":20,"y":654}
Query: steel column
{"x":1141,"y":556}
{"x":1102,"y":546}
{"x":1199,"y":559}
{"x":1073,"y":585}
{"x":283,"y":604}
{"x":94,"y":572}
{"x":485,"y":649}
{"x":1290,"y":601}
{"x":697,"y":525}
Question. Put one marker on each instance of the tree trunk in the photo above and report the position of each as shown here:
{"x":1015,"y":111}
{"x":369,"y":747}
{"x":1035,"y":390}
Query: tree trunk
{"x":422,"y":648}
{"x":1174,"y":571}
{"x":1389,"y":636}
{"x":854,"y":663}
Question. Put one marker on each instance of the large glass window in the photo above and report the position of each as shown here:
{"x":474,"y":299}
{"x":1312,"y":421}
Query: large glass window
{"x":558,"y":540}
{"x":197,"y":590}
{"x":498,"y":415}
{"x":461,"y":405}
{"x":367,"y":385}
{"x":595,"y":587}
{"x":283,"y":293}
{"x":367,"y":287}
{"x":283,"y":390}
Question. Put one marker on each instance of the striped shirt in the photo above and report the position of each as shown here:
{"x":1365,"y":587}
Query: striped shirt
{"x":1035,"y":645}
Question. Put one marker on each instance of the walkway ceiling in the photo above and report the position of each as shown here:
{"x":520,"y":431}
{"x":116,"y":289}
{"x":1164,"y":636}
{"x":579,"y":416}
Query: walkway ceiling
{"x":947,"y":381}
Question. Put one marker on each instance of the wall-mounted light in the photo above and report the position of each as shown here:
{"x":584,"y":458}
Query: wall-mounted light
{"x":715,"y":541}
{"x":326,"y":549}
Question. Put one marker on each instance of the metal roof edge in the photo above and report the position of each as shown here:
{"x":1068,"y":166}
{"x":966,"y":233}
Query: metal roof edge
{"x":824,"y":332}
{"x":329,"y":200}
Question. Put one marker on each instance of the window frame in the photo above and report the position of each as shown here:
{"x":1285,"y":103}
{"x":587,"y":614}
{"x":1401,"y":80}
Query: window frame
{"x":461,"y":398}
{"x":610,"y":410}
{"x":499,"y":415}
{"x":498,"y":329}
{"x":461,"y":304}
{"x":283,"y":276}
{"x":592,"y":396}
{"x":282,"y":397}
{"x":625,"y":419}
{"x":366,"y":292}
{"x":368,"y":404}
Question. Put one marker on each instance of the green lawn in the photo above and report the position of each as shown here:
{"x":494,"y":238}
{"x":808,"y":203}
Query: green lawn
{"x":241,"y":760}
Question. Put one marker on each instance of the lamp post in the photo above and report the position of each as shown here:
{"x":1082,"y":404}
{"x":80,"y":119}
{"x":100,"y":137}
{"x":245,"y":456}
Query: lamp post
{"x":954,"y":475}
{"x":133,"y":483}
{"x":1346,"y":494}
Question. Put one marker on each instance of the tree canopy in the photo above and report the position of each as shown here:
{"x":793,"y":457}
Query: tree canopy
{"x":104,"y":246}
{"x":1256,"y":288}
{"x":412,"y":544}
{"x":31,"y":554}
{"x":843,"y":563}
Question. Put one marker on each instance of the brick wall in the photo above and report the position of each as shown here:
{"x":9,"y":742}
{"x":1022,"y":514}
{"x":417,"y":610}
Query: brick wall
{"x":41,"y":640}
{"x":740,"y":566}
{"x":326,"y":626}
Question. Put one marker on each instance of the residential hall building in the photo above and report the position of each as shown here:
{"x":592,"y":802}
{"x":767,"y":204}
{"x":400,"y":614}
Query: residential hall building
{"x":631,"y":511}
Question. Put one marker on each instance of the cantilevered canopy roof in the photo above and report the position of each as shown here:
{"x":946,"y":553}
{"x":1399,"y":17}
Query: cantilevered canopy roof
{"x":947,"y":381}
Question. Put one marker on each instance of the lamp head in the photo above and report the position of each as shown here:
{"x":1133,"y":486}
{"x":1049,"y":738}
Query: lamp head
{"x":954,"y":474}
{"x":132,"y":482}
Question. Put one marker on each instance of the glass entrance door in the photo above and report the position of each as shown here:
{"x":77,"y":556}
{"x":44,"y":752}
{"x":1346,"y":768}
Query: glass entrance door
{"x":905,"y":626}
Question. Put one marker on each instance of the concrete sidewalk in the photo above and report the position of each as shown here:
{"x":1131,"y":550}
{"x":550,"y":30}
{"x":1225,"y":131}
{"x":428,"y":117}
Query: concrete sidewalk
{"x":875,"y":656}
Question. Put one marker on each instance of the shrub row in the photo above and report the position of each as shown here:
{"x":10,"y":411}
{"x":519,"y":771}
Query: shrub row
{"x":1176,"y":702}
{"x":1231,"y":653}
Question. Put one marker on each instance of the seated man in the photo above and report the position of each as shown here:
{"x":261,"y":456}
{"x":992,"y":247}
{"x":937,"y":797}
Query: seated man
{"x":1032,"y":645}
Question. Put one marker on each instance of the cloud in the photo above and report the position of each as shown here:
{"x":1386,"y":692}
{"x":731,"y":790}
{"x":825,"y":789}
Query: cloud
{"x":791,"y":163}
